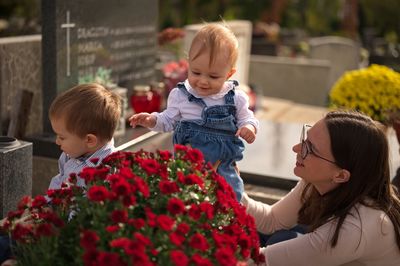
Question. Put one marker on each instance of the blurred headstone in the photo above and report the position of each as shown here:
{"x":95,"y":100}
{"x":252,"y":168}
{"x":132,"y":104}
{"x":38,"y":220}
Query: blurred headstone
{"x":20,"y":68}
{"x":80,"y":37}
{"x":15,"y":172}
{"x":342,"y":53}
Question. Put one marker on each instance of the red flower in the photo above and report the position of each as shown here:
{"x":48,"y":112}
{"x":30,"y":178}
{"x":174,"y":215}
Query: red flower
{"x":24,"y":203}
{"x":165,"y":155}
{"x":180,"y":148}
{"x":121,"y":187}
{"x":151,"y":166}
{"x":175,"y":206}
{"x":200,"y":261}
{"x":208,"y":209}
{"x":142,"y":187}
{"x":194,"y":212}
{"x":165,"y":222}
{"x":142,"y":239}
{"x":141,"y":208}
{"x":222,"y":240}
{"x":134,"y":248}
{"x":225,"y":256}
{"x":89,"y":174}
{"x":137,"y":223}
{"x":168,"y":187}
{"x":120,"y":242}
{"x":112,"y":228}
{"x":108,"y":258}
{"x":21,"y":231}
{"x":89,"y":239}
{"x":73,"y":178}
{"x":176,"y":239}
{"x":244,"y":241}
{"x":151,"y":217}
{"x":195,"y":156}
{"x":179,"y":258}
{"x":126,"y":173}
{"x":94,"y":160}
{"x":90,"y":257}
{"x":129,"y":200}
{"x":98,"y":193}
{"x":191,"y":179}
{"x":198,"y":241}
{"x":39,"y":201}
{"x":141,"y":258}
{"x":119,"y":216}
{"x":15,"y":214}
{"x":183,"y":228}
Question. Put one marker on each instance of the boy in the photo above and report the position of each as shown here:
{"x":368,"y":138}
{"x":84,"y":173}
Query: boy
{"x":206,"y":111}
{"x":84,"y":119}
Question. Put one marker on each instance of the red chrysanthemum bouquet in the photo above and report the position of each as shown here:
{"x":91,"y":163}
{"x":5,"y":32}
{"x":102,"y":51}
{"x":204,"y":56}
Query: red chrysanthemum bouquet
{"x":138,"y":209}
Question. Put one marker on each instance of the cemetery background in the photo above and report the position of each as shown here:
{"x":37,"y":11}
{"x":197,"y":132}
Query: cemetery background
{"x":297,"y":50}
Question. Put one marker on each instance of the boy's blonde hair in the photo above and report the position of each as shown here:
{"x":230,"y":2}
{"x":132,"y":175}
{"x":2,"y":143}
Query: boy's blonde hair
{"x":215,"y":38}
{"x":88,"y":109}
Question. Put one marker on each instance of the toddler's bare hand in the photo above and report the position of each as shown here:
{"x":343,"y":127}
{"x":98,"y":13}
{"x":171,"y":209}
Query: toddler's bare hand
{"x":247,"y":132}
{"x":142,"y":119}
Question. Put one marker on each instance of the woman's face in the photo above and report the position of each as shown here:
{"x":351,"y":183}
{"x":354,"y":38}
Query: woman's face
{"x":313,"y":169}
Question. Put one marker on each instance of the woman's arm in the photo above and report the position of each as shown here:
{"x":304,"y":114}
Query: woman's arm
{"x":281,"y":215}
{"x":313,"y":249}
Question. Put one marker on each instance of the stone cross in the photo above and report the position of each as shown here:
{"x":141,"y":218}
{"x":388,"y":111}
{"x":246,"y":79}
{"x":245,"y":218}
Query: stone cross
{"x":68,"y":26}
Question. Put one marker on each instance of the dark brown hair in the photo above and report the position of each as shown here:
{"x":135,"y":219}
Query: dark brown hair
{"x":88,"y":109}
{"x":360,"y":146}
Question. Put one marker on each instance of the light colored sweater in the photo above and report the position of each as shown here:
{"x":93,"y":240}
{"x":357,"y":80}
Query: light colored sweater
{"x":367,"y":239}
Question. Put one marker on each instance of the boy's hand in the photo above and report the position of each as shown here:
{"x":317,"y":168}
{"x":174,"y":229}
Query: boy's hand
{"x":247,"y":132}
{"x":143,"y":119}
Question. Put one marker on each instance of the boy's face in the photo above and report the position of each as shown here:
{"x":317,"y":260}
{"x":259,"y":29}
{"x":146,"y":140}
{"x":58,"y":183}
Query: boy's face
{"x":206,"y":80}
{"x":69,"y":143}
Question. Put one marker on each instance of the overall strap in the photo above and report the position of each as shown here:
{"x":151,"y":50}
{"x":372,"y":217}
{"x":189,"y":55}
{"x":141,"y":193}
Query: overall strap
{"x":229,"y":97}
{"x":191,"y":98}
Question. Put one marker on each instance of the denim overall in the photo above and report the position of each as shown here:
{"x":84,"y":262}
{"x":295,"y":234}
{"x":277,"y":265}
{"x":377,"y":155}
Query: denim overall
{"x":214,"y":135}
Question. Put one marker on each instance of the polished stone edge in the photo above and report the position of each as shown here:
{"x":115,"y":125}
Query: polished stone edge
{"x":44,"y":145}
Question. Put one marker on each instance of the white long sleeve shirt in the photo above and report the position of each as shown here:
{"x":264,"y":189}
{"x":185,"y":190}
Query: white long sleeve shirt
{"x":366,"y":238}
{"x":179,"y":108}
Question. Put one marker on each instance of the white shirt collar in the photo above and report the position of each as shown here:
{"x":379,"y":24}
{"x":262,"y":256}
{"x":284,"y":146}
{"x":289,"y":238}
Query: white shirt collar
{"x":226,"y":87}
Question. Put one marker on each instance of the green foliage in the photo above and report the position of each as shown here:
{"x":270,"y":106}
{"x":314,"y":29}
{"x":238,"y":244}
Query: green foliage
{"x":102,"y":76}
{"x":384,"y":15}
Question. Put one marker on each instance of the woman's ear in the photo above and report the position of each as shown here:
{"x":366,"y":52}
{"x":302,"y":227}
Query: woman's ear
{"x":91,"y":140}
{"x":341,"y":177}
{"x":230,"y":74}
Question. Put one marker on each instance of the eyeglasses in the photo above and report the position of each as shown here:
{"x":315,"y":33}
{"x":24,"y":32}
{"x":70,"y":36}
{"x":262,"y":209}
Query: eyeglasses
{"x":306,"y":149}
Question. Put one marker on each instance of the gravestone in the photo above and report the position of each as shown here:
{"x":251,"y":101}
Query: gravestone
{"x":342,"y":53}
{"x":242,"y":30}
{"x":20,"y":69}
{"x":15,"y":172}
{"x":301,"y":80}
{"x":79,"y":38}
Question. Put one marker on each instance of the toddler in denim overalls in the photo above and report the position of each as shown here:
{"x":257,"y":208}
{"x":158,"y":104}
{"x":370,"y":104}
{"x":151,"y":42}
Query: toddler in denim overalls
{"x":206,"y":111}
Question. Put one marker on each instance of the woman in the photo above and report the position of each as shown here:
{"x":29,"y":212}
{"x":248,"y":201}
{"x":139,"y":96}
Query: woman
{"x":344,"y":197}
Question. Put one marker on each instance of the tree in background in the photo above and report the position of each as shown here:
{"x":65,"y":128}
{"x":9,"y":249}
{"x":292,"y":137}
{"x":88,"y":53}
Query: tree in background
{"x":19,"y":17}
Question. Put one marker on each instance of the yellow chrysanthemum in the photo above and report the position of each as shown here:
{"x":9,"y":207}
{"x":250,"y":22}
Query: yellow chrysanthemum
{"x":374,"y":91}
